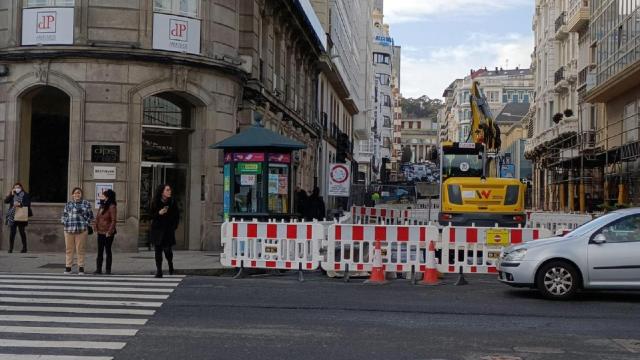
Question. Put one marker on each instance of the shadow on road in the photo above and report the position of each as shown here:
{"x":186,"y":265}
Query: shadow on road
{"x":582,"y":296}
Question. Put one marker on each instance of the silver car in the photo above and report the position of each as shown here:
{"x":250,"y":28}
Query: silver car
{"x":601,"y":254}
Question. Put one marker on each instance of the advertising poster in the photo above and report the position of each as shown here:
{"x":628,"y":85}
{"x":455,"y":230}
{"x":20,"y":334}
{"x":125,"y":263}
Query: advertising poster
{"x":283,"y":186}
{"x":273,"y":183}
{"x":176,"y":33}
{"x":227,"y":190}
{"x":100,"y":188}
{"x":247,"y":180}
{"x":47,"y":26}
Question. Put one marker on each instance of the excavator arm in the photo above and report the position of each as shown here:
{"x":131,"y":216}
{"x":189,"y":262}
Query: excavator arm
{"x":484,"y":129}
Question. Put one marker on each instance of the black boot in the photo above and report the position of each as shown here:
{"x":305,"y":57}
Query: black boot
{"x":171,"y":268}
{"x":11,"y":245}
{"x":24,"y":246}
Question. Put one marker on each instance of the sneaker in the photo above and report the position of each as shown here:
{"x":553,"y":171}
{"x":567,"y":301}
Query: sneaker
{"x":67,"y":271}
{"x":158,"y":275}
{"x":108,"y":272}
{"x":81,"y":271}
{"x":97,"y":272}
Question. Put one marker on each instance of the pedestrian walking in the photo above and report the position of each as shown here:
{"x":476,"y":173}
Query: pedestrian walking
{"x":316,"y":208}
{"x":106,"y":228}
{"x":18,"y":215}
{"x":165,"y":217}
{"x":300,"y":200}
{"x":76,"y":218}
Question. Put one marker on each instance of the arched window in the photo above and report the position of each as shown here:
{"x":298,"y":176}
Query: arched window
{"x":44,"y":144}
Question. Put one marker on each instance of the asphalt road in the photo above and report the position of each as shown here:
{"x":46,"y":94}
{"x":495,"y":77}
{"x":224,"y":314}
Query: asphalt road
{"x":280,"y":318}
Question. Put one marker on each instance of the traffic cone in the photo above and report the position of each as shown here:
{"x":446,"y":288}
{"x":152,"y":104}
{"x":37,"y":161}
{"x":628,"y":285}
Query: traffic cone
{"x":430,"y":276}
{"x":377,"y":273}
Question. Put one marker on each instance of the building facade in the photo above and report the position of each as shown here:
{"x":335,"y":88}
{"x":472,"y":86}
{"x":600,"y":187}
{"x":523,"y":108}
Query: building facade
{"x":130,"y":95}
{"x":421,"y":136}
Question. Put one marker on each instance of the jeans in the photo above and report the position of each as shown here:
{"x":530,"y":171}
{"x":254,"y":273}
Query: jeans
{"x":104,"y":245}
{"x":12,"y":236}
{"x":168,"y":253}
{"x":77,"y":242}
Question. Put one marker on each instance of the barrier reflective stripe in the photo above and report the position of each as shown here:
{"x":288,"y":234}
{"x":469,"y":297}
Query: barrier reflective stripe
{"x":271,"y":245}
{"x":352,"y":246}
{"x":476,"y":249}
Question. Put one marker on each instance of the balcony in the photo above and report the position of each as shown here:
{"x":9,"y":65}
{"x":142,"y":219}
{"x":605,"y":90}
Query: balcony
{"x":560,"y":80}
{"x":579,"y":15}
{"x":566,"y":125}
{"x":582,"y":77}
{"x":561,"y":27}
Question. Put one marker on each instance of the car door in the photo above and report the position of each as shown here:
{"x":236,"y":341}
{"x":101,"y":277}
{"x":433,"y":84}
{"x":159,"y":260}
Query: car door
{"x":615,"y":262}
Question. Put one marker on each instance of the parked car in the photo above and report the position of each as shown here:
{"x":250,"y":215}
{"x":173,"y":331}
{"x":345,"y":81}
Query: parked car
{"x":601,"y":254}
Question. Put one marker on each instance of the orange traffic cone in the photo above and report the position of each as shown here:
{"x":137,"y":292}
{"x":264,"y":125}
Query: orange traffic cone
{"x":377,"y":273}
{"x":430,"y":276}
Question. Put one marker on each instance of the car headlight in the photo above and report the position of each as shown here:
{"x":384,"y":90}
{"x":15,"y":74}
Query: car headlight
{"x":516,"y":255}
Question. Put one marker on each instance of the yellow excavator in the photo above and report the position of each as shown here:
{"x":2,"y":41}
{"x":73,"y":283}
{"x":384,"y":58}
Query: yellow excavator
{"x":471,"y":194}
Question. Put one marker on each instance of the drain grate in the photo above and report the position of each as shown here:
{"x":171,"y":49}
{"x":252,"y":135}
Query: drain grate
{"x":52,"y":266}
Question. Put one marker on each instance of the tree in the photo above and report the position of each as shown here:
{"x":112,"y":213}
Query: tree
{"x":420,"y":108}
{"x":407,"y":154}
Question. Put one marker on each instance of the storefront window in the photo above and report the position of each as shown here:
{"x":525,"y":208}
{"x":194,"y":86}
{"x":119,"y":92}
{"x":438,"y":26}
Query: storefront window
{"x":278,"y":188}
{"x":248,"y":187}
{"x":190,"y":8}
{"x":48,"y":3}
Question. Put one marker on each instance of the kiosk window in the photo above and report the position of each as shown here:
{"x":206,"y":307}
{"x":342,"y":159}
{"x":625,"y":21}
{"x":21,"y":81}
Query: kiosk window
{"x":278,"y":188}
{"x":248,"y":187}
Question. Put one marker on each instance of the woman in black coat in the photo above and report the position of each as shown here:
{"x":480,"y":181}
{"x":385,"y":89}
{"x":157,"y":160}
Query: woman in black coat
{"x":18,"y":198}
{"x":165,"y":217}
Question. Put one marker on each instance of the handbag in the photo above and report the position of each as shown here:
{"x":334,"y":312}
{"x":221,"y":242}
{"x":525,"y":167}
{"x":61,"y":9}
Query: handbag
{"x":22,"y":214}
{"x":89,"y":230}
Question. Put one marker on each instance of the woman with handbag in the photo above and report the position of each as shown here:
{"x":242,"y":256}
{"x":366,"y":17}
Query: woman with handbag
{"x":165,"y":216}
{"x":106,"y":229}
{"x":76,"y":218}
{"x":18,"y":215}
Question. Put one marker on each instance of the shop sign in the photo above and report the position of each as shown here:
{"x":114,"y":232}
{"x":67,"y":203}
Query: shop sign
{"x":105,"y":153}
{"x":255,"y":157}
{"x":100,"y":188}
{"x":104,"y":172}
{"x":339,"y":180}
{"x":248,"y":180}
{"x":176,"y":33}
{"x":280,"y":158}
{"x":384,"y":40}
{"x":47,"y":26}
{"x":249,"y":168}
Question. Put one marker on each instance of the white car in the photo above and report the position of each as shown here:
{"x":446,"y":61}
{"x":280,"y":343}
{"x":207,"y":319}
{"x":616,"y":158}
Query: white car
{"x":601,"y":254}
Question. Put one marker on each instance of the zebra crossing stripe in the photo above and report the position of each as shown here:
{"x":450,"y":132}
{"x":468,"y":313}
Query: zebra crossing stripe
{"x":72,"y":320}
{"x":51,"y":357}
{"x":99,"y":295}
{"x":77,"y":310}
{"x":84,"y":282}
{"x":66,"y":331}
{"x":79,"y":301}
{"x":62,"y":344}
{"x":97,"y":278}
{"x":83,"y":288}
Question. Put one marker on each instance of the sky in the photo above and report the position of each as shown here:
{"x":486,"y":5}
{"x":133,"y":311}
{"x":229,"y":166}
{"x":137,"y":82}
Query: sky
{"x":442,"y":40}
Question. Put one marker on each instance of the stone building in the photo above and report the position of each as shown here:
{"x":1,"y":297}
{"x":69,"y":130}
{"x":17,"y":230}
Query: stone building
{"x":130,"y":94}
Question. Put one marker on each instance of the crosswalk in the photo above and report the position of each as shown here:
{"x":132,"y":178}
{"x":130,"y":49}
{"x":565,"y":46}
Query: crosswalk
{"x":75,"y":317}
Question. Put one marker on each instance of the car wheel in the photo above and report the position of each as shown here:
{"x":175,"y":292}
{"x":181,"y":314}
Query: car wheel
{"x":557,"y":280}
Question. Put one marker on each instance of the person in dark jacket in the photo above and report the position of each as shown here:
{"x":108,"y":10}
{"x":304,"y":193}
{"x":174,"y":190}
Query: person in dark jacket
{"x":165,"y":217}
{"x":106,"y":229}
{"x":18,"y":198}
{"x":315,"y":208}
{"x":300,"y":200}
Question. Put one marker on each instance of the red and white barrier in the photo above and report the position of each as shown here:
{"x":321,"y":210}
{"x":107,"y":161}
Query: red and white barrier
{"x":369,"y":215}
{"x":476,"y":249}
{"x":557,"y":222}
{"x":351,"y":247}
{"x":418,"y":216}
{"x":288,"y":246}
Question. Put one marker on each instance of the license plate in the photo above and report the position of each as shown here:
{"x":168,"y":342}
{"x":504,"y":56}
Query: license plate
{"x":271,"y":249}
{"x":493,"y":255}
{"x":497,"y":237}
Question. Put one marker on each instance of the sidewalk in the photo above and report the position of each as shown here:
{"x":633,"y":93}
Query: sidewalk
{"x":185,"y":263}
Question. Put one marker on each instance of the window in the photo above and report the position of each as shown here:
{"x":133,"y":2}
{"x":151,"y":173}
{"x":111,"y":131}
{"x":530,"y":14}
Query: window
{"x":381,"y":58}
{"x":493,"y":96}
{"x":190,"y":8}
{"x":625,"y":230}
{"x":384,"y":79}
{"x":278,"y":188}
{"x":504,"y":98}
{"x":386,"y":100}
{"x":387,"y":121}
{"x":630,"y":122}
{"x":248,"y":187}
{"x":48,"y":3}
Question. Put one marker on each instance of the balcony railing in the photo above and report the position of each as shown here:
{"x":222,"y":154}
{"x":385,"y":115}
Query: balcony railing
{"x":559,"y":75}
{"x":578,"y":16}
{"x":560,"y":21}
{"x":582,"y":77}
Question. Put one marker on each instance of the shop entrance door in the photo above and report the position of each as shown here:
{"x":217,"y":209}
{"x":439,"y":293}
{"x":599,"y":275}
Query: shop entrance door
{"x":152,"y":176}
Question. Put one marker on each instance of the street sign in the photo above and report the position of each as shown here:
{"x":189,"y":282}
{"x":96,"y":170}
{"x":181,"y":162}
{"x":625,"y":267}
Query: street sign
{"x":498,"y":237}
{"x":339,"y":180}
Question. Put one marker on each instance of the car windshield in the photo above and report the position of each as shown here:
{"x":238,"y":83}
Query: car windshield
{"x":594,"y":224}
{"x":462,"y":165}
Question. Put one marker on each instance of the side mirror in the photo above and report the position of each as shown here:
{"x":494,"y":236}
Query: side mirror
{"x":599,"y":239}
